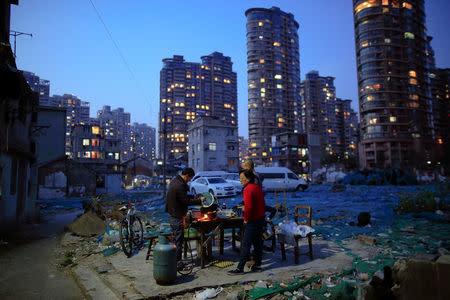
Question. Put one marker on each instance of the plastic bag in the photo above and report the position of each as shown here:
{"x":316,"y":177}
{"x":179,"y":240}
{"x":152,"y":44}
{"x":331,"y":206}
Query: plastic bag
{"x":291,"y":229}
{"x":208,"y":293}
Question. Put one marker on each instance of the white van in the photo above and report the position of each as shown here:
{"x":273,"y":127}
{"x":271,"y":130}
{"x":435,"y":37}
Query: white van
{"x":280,"y":178}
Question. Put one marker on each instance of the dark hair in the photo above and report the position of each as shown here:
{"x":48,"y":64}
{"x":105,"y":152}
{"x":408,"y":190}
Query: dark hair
{"x":188,"y":171}
{"x":250,"y":175}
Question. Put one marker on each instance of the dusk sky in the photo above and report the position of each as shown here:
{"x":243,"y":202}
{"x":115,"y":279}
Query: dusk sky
{"x":71,"y":48}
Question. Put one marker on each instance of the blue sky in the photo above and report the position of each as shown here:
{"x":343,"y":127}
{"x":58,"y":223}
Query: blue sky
{"x":71,"y":48}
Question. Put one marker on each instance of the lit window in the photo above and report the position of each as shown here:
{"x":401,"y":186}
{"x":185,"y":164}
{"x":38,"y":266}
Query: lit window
{"x":373,"y":121}
{"x":261,"y":37}
{"x":216,"y":79}
{"x":409,"y":35}
{"x":385,"y":2}
{"x":264,"y":154}
{"x":260,"y":23}
{"x":407,"y":5}
{"x":279,"y":86}
{"x":85,"y":142}
{"x":412,"y":73}
{"x":94,"y":142}
{"x":94,"y":154}
{"x":276,"y":44}
{"x":392,"y":119}
{"x":387,"y":41}
{"x":212,"y":146}
{"x":413,"y":81}
{"x":261,"y":61}
{"x":262,"y":80}
{"x":278,"y":76}
{"x":253,"y":145}
{"x":95,"y":130}
{"x":366,"y":4}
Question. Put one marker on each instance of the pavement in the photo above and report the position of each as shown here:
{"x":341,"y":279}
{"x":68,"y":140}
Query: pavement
{"x":119,"y":277}
{"x":28,"y":269}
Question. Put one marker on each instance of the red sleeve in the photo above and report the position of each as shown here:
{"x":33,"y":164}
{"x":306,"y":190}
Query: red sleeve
{"x":247,"y":195}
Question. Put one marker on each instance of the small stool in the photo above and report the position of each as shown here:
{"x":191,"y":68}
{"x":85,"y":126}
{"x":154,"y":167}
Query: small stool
{"x":152,"y":238}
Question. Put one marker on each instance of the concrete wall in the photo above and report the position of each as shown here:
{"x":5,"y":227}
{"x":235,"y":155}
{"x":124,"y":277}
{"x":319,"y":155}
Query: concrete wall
{"x":15,"y":206}
{"x":81,"y":181}
{"x":113,"y":183}
{"x":50,"y":140}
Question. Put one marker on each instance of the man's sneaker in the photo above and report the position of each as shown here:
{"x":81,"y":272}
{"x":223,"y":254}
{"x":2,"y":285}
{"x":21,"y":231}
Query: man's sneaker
{"x":255,"y":269}
{"x":235,"y":272}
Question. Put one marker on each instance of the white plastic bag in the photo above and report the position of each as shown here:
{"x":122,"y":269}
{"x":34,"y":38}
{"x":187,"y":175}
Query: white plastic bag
{"x":290,"y":229}
{"x":208,"y":293}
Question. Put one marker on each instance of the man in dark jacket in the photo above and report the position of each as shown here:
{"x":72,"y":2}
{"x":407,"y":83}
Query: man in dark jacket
{"x":177,"y":203}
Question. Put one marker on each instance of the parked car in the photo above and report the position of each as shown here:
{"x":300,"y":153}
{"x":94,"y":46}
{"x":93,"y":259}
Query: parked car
{"x":280,"y":178}
{"x":233,"y":178}
{"x":209,"y":174}
{"x":215,"y":185}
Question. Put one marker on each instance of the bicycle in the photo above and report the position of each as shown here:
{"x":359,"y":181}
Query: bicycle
{"x":131,"y":231}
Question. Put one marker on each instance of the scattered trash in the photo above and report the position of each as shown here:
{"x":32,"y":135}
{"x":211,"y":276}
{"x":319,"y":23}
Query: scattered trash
{"x":208,"y":293}
{"x":261,"y":284}
{"x":366,"y":240}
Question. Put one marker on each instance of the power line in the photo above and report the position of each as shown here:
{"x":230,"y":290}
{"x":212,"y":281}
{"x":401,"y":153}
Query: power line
{"x":117,"y":48}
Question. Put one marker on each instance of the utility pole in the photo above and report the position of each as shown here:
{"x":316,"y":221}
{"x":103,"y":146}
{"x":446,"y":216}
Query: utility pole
{"x":15,"y":34}
{"x":164,"y":151}
{"x":134,"y":152}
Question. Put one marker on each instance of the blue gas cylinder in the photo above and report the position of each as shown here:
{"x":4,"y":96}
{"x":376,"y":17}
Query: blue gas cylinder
{"x":164,"y":261}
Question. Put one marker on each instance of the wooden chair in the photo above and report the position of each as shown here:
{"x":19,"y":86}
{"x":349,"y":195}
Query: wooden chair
{"x":270,"y":238}
{"x":300,"y":219}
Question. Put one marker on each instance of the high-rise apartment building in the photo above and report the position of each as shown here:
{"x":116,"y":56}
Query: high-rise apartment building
{"x":189,"y":90}
{"x":440,"y":92}
{"x":273,"y":68}
{"x":40,"y":86}
{"x":143,"y":138}
{"x":330,"y":118}
{"x":393,"y":80}
{"x":77,"y":113}
{"x":243,"y":148}
{"x":348,"y":128}
{"x":117,"y":126}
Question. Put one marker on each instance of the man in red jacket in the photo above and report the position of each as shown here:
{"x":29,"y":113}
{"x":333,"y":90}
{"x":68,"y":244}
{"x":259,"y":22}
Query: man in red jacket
{"x":254,"y":214}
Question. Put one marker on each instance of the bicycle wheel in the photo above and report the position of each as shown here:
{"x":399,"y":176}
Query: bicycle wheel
{"x":131,"y":237}
{"x":137,"y":236}
{"x":125,"y":241}
{"x":188,"y":262}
